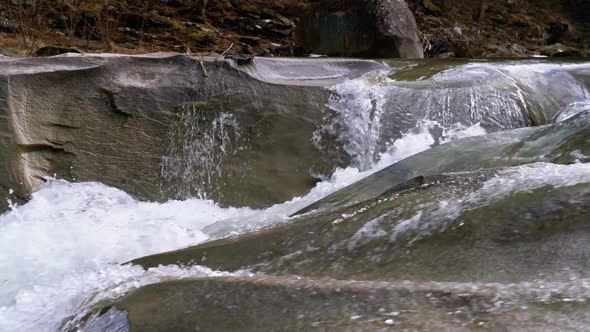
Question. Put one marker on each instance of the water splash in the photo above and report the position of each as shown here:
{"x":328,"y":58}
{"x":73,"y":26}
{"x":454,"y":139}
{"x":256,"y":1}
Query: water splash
{"x":199,"y":141}
{"x":360,"y":122}
{"x":78,"y":292}
{"x":369,"y":114}
{"x":356,"y":121}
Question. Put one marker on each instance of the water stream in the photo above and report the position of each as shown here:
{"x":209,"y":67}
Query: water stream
{"x":61,"y":251}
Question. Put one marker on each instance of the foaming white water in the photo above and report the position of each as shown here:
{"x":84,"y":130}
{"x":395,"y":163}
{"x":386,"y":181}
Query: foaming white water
{"x":44,"y":308}
{"x":78,"y":228}
{"x":368,"y":115}
{"x":72,"y":232}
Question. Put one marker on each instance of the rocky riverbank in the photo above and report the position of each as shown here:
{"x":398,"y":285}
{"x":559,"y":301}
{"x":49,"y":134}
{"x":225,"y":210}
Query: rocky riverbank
{"x":464,"y":28}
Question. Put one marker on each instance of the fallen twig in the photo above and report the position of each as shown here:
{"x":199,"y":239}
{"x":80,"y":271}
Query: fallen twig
{"x":203,"y":68}
{"x":229,"y":48}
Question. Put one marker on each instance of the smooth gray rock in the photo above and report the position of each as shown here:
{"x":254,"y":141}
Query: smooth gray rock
{"x":502,"y":225}
{"x":110,"y":118}
{"x":267,"y":303}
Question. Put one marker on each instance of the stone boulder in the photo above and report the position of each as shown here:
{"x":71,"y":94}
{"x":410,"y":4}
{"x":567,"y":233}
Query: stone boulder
{"x":368,"y":28}
{"x":559,"y":50}
{"x":145,"y":123}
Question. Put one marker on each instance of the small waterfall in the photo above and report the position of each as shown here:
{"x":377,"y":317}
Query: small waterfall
{"x":369,"y":114}
{"x":198,"y":144}
{"x":355,"y":123}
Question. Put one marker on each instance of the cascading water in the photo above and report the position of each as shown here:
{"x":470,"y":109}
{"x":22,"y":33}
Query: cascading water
{"x":199,"y":141}
{"x":357,"y":108}
{"x":61,"y":251}
{"x":371,"y":113}
{"x":361,"y":120}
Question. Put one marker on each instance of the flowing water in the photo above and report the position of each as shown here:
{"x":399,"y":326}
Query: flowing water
{"x":199,"y":141}
{"x":61,"y":252}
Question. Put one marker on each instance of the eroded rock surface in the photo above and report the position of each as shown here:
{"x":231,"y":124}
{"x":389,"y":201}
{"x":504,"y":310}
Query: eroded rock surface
{"x":111,"y":119}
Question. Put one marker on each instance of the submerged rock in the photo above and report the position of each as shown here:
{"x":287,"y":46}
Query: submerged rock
{"x":373,"y":28}
{"x":241,"y":59}
{"x":559,"y":50}
{"x":55,"y":50}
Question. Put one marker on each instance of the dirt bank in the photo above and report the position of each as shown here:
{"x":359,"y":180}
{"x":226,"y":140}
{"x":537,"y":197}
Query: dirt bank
{"x":462,"y":28}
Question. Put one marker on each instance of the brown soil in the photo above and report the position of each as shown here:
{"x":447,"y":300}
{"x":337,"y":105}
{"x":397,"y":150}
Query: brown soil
{"x":130,"y":26}
{"x":505,"y":28}
{"x":266,"y":27}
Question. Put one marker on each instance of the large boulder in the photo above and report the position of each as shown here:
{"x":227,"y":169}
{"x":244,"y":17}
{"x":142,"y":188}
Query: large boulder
{"x":143,"y":124}
{"x":372,"y":28}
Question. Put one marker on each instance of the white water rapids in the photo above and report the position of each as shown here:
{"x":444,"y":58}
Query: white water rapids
{"x":66,"y":244}
{"x":61,"y":252}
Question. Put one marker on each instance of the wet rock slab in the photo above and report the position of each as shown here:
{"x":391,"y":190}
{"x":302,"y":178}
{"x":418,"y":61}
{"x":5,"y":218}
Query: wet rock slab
{"x":108,"y":118}
{"x":444,"y":228}
{"x":462,"y":211}
{"x":265,"y":303}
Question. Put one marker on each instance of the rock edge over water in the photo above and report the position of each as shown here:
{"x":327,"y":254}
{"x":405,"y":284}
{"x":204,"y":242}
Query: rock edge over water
{"x":107,"y":118}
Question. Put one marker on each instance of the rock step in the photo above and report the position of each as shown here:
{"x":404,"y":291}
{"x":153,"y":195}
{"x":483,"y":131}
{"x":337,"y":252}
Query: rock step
{"x":268,"y":303}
